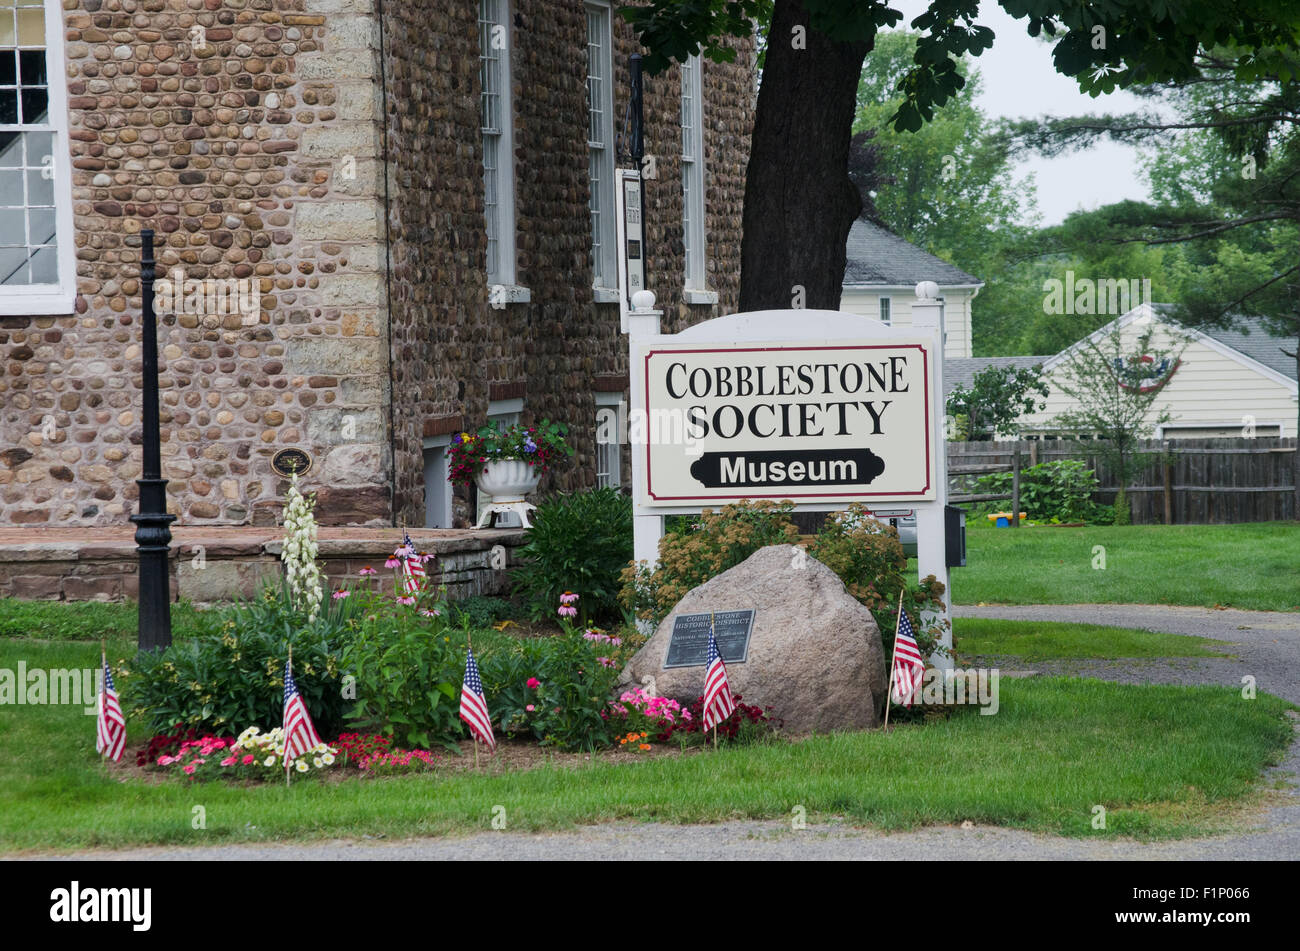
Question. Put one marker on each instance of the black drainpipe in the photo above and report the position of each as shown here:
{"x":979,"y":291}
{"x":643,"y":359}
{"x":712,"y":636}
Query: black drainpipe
{"x":388,"y":270}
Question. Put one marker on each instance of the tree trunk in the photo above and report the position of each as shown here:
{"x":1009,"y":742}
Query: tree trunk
{"x":799,"y":201}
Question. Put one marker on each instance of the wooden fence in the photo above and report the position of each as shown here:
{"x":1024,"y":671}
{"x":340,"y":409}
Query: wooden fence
{"x":1196,"y":482}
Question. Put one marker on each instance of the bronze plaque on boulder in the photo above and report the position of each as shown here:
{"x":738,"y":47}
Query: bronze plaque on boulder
{"x":689,"y":644}
{"x":288,"y":461}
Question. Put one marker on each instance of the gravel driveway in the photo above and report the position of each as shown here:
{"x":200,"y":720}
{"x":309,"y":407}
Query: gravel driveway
{"x":1265,"y":645}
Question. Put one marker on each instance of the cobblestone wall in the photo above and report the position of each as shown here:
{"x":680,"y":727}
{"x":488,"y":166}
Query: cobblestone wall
{"x":250,"y":135}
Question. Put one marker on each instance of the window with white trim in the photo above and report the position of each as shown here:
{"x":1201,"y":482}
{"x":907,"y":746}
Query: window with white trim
{"x":497,"y":126}
{"x":37,"y":273}
{"x":600,"y":146}
{"x":885,"y":307}
{"x":692,"y":122}
{"x":609,"y":460}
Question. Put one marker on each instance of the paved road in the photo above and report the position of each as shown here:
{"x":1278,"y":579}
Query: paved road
{"x":1265,"y":645}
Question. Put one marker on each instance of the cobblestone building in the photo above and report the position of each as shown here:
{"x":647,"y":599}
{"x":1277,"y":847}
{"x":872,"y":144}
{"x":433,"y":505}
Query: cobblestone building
{"x":308,"y":299}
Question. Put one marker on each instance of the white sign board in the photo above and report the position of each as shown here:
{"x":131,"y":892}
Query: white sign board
{"x":842,"y":422}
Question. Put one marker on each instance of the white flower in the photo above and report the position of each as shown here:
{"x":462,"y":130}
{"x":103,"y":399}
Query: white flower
{"x":328,"y":759}
{"x":301,"y":767}
{"x":269,"y":761}
{"x":316,"y":761}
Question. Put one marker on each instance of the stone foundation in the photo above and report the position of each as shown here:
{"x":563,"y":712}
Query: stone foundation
{"x":222,"y":565}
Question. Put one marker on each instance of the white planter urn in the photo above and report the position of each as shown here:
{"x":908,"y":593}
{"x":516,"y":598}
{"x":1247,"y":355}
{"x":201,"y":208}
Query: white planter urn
{"x":506,"y":482}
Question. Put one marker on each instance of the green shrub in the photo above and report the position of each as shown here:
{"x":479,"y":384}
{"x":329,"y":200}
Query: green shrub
{"x":231,"y":675}
{"x":408,"y":669}
{"x":479,"y":611}
{"x":578,"y":543}
{"x":567,"y":680}
{"x":1122,"y":513}
{"x":868,"y":557}
{"x":1059,"y":491}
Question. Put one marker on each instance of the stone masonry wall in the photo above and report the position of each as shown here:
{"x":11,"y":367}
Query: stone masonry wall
{"x":251,"y":136}
{"x":222,"y":130}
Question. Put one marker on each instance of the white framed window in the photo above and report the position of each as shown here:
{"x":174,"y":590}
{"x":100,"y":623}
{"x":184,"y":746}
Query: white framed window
{"x":37,"y":266}
{"x":885,"y":306}
{"x":692,"y":122}
{"x":600,"y":147}
{"x":609,"y":459}
{"x":496,"y":118}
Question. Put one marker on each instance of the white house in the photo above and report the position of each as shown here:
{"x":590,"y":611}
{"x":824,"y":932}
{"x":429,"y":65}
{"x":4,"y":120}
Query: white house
{"x":880,"y":280}
{"x":1226,"y":383}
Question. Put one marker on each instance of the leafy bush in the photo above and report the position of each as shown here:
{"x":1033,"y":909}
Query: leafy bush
{"x":478,"y":611}
{"x":1058,"y":491}
{"x":868,"y":557}
{"x":556,"y":688}
{"x":408,"y":669}
{"x":580,"y":543}
{"x":233,"y":673}
{"x":696,"y":551}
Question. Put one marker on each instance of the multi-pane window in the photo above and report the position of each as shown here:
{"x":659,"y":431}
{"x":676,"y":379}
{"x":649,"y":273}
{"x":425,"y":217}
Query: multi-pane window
{"x":495,"y":121}
{"x":693,"y":173}
{"x":35,"y":210}
{"x":885,"y":316}
{"x":600,"y":146}
{"x":608,"y":435}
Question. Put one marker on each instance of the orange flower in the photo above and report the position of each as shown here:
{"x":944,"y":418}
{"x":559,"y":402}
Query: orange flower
{"x":645,"y":746}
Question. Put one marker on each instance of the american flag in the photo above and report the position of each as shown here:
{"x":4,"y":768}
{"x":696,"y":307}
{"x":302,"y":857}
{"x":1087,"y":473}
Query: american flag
{"x":413,"y":573}
{"x":473,"y":707}
{"x":110,"y":725}
{"x":299,"y":732}
{"x":908,"y":663}
{"x":718,"y":704}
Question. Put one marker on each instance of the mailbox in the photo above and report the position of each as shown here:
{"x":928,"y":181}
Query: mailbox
{"x":954,"y":533}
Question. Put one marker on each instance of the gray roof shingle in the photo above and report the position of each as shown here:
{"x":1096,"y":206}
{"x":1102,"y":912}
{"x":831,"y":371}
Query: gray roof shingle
{"x":963,"y":369}
{"x":878,"y":256}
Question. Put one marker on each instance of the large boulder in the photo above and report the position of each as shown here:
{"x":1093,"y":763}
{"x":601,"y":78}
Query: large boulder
{"x":815,"y":655}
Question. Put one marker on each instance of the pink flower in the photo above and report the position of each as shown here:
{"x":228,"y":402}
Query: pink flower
{"x":340,"y":594}
{"x":534,"y":683}
{"x":189,"y":770}
{"x":568,"y":612}
{"x":427,"y":613}
{"x":604,"y":662}
{"x":367,"y":570}
{"x":568,"y":597}
{"x":167,"y":760}
{"x":229,"y":761}
{"x":391,"y":563}
{"x":530,"y":708}
{"x":248,"y":760}
{"x":406,"y":600}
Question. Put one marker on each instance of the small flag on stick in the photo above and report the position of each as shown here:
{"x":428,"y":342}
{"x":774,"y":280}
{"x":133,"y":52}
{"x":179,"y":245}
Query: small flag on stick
{"x":718,"y":704}
{"x":110,"y":724}
{"x":300,"y":735}
{"x":909,"y":666}
{"x":413,"y":573}
{"x":473,"y":706}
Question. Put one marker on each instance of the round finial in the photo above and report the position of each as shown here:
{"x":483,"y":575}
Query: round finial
{"x":927,"y":290}
{"x":643,"y":300}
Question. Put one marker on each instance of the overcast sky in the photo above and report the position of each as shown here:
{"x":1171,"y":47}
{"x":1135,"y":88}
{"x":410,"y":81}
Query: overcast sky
{"x":1019,"y":81}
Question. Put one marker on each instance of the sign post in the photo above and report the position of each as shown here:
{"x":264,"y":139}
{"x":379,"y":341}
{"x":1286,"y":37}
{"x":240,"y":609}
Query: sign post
{"x":819,"y":407}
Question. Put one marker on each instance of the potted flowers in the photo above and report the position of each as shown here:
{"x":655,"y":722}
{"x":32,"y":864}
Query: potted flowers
{"x":507,"y":463}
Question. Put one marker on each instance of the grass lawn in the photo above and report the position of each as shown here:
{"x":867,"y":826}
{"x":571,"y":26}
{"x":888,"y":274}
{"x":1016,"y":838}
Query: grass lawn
{"x":1056,"y":640}
{"x":1241,"y":566}
{"x":1164,"y":761}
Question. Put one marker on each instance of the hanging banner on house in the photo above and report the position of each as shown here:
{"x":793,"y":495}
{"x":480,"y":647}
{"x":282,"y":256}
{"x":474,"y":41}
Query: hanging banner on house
{"x":811,"y":423}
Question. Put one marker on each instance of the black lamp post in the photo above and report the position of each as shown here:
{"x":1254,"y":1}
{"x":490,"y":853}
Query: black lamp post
{"x":152,"y":535}
{"x":637,"y":147}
